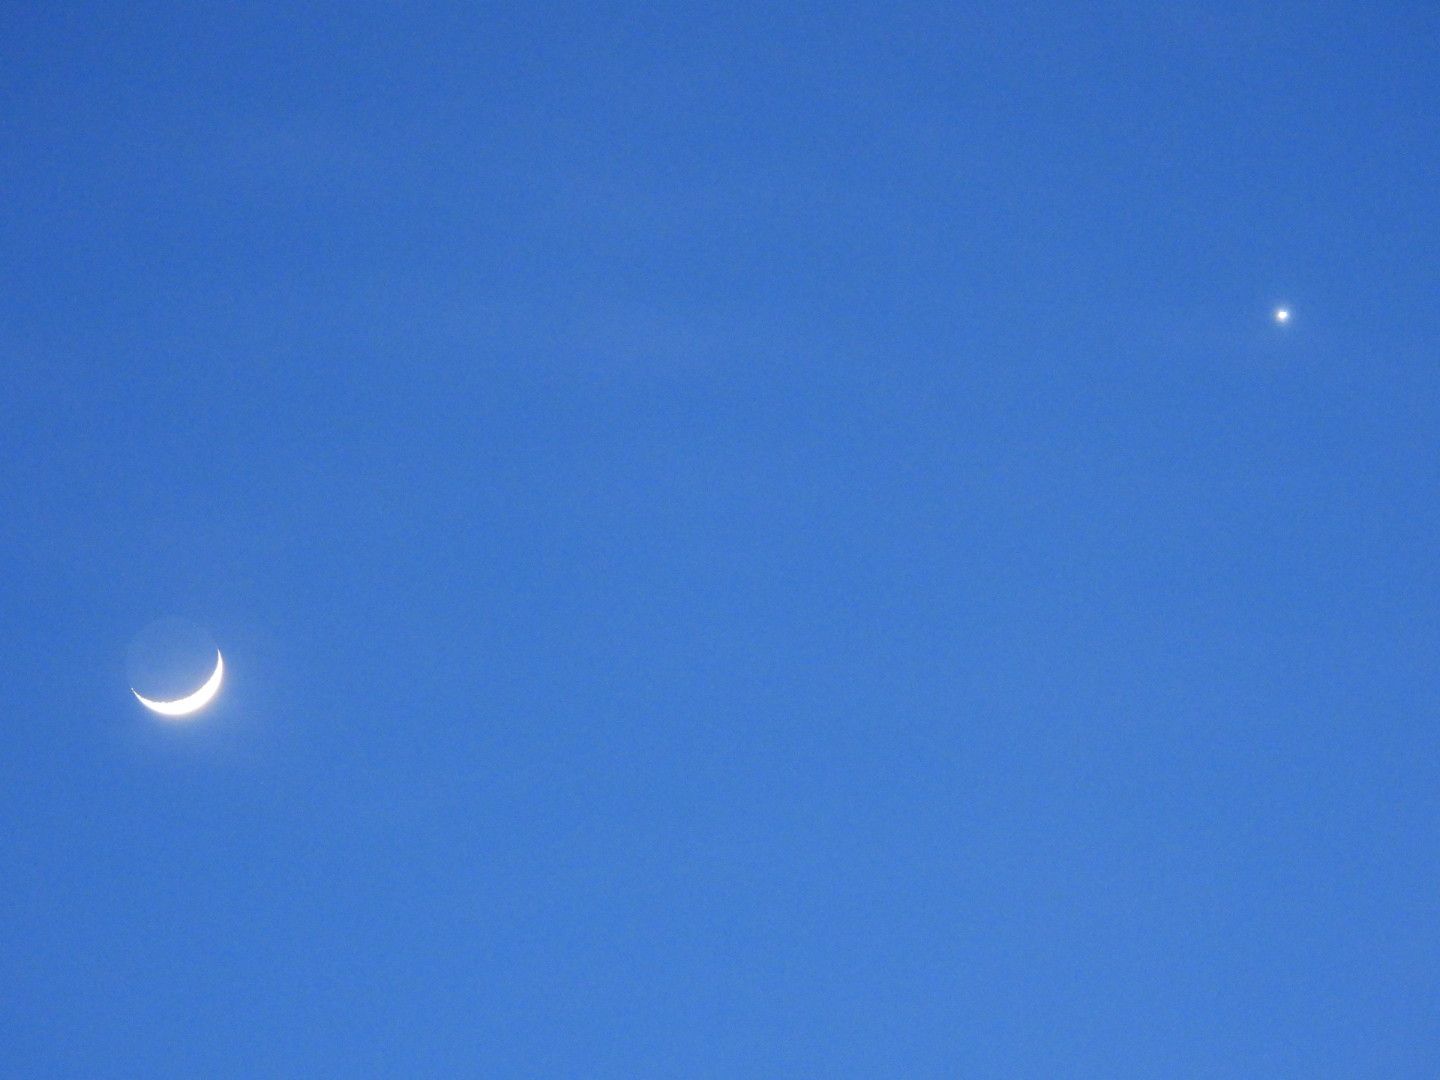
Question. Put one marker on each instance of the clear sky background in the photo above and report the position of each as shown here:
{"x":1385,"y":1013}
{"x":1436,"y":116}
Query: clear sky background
{"x":749,"y":540}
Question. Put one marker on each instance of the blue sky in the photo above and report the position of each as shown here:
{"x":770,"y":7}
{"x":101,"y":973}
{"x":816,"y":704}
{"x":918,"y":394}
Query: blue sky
{"x":752,"y":540}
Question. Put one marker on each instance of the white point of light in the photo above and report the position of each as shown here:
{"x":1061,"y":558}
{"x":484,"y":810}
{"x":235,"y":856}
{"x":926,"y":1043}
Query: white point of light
{"x":191,"y":703}
{"x":1282,"y":315}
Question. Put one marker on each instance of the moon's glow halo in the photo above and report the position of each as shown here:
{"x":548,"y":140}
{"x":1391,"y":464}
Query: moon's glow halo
{"x":191,"y":702}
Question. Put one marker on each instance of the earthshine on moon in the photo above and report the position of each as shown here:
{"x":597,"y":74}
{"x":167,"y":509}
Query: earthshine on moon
{"x":191,"y":702}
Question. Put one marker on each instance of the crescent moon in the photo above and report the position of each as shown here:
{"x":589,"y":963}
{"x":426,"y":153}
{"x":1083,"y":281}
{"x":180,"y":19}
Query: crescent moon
{"x":191,"y":702}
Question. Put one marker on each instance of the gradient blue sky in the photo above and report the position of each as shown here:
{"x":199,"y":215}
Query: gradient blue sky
{"x":750,"y":540}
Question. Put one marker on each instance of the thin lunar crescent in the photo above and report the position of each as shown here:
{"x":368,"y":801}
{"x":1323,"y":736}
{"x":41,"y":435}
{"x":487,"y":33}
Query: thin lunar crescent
{"x":191,"y":702}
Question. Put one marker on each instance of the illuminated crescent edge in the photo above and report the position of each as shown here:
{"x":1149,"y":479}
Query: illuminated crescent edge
{"x":191,"y":702}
